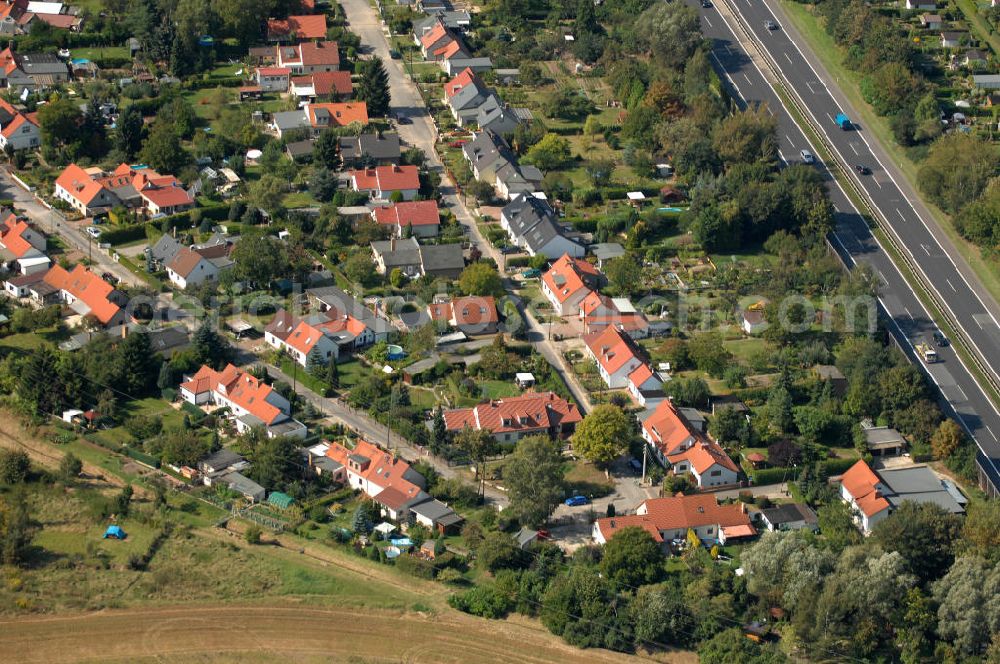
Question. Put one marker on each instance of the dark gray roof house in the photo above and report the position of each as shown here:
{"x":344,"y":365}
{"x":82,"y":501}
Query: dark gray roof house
{"x":165,"y":249}
{"x":791,"y":516}
{"x":465,"y":103}
{"x":442,"y":260}
{"x":486,"y":154}
{"x":532,"y":225}
{"x":370,"y":149}
{"x":918,"y":484}
{"x":220,"y":461}
{"x":299,"y":150}
{"x":243,"y":485}
{"x":331,"y":297}
{"x":499,"y":118}
{"x":416,"y":260}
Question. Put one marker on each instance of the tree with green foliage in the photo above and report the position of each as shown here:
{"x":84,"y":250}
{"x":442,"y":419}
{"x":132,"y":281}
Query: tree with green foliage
{"x":550,"y":153}
{"x":209,"y":347}
{"x":671,"y":32}
{"x":260,"y":258}
{"x":480,"y":279}
{"x":924,"y":534}
{"x":533,"y":477}
{"x":632,"y":559}
{"x":14,"y":466}
{"x":138,"y":365}
{"x":37,"y":385}
{"x":968,"y":613}
{"x":439,"y":432}
{"x":253,"y":534}
{"x":59,"y":121}
{"x":625,"y":275}
{"x":948,"y":438}
{"x":323,"y":184}
{"x":688,"y":391}
{"x":731,"y":645}
{"x":479,"y":445}
{"x":498,"y":551}
{"x":128,"y":132}
{"x":360,"y":269}
{"x":981,"y":530}
{"x":373,"y":88}
{"x":274,"y":461}
{"x":837,"y":525}
{"x":332,"y":373}
{"x":70,"y":467}
{"x":267,"y":194}
{"x":17,"y":529}
{"x":708,"y":353}
{"x":730,"y":428}
{"x":361,"y":521}
{"x":661,"y":617}
{"x":603,"y":435}
{"x":787,"y":570}
{"x":316,"y":363}
{"x":583,"y":608}
{"x":957,"y":169}
{"x":163,"y":150}
{"x":326,"y":150}
{"x":123,"y":501}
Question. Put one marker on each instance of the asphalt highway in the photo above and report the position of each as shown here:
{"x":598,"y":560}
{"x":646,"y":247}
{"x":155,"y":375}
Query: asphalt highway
{"x":910,"y":322}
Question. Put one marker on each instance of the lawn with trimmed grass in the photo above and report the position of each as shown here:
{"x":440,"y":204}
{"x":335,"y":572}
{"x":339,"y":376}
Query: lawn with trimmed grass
{"x":24,"y":342}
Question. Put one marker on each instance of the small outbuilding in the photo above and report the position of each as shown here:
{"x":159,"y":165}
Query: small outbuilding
{"x":280,"y":500}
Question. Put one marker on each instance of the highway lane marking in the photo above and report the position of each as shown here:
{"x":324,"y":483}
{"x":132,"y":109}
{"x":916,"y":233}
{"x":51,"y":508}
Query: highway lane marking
{"x":979,"y":324}
{"x":958,"y":387}
{"x":726,"y":46}
{"x":951,"y":284}
{"x":809,"y":85}
{"x":830,"y":116}
{"x":991,"y":432}
{"x":787,"y":58}
{"x":907,"y":310}
{"x":707,"y":21}
{"x":783,"y":160}
{"x":855,"y":150}
{"x":749,"y":82}
{"x":900,"y":214}
{"x":790,"y":141}
{"x":926,"y":250}
{"x":875,"y":180}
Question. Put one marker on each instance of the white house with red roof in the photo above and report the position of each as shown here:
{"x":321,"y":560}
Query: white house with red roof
{"x":597,"y":312}
{"x":419,"y":218}
{"x":272,"y":79}
{"x":322,"y":86}
{"x":568,"y":281}
{"x":296,"y":28}
{"x":18,"y":131}
{"x":669,"y":519}
{"x":195,"y":265}
{"x":681,"y":448}
{"x":473,"y":315}
{"x":332,"y":332}
{"x":86,"y":293}
{"x":251,"y":402}
{"x":22,"y":248}
{"x":645,"y":386}
{"x":383,"y":181}
{"x":309,"y":57}
{"x":92,"y":190}
{"x":513,"y":418}
{"x":616,"y":356}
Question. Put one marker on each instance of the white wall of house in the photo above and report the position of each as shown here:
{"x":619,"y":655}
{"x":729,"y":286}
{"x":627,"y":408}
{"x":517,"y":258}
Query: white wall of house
{"x":715,"y":475}
{"x":204,"y":271}
{"x":27,"y":137}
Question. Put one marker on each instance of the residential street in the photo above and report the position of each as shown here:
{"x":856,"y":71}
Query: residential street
{"x":374,"y":432}
{"x":52,"y":222}
{"x":406,"y":101}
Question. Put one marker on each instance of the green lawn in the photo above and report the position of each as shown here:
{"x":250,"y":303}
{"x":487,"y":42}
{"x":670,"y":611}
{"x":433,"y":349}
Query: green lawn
{"x":497,"y":389}
{"x":831,"y":55}
{"x":26,"y":341}
{"x":299,"y":199}
{"x":101,"y":52}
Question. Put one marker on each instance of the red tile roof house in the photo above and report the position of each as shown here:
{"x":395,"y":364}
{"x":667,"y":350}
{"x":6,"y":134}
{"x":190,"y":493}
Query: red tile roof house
{"x":682,"y":449}
{"x":669,"y":520}
{"x":513,"y":418}
{"x":252,"y":403}
{"x":335,"y":334}
{"x":309,"y":57}
{"x":272,"y":79}
{"x":419,"y":218}
{"x":86,"y":294}
{"x":92,"y":190}
{"x":616,"y":355}
{"x":317,"y":118}
{"x":864,"y":491}
{"x":382,"y":181}
{"x":568,"y":282}
{"x":473,"y":315}
{"x":22,"y":248}
{"x":296,"y":28}
{"x":598,"y":312}
{"x":645,"y":386}
{"x":324,"y":86}
{"x":388,"y":480}
{"x":18,"y":130}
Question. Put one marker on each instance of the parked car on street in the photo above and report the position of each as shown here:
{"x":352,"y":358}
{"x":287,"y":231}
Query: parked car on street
{"x":577,"y":501}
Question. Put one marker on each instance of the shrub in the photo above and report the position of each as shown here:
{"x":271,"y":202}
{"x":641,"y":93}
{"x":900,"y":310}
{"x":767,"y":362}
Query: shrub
{"x":483,"y":601}
{"x":253,"y":534}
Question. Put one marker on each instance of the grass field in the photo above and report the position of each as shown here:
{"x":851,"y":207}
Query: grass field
{"x":26,"y":341}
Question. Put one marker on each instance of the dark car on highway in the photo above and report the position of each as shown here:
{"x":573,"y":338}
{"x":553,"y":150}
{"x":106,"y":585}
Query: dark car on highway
{"x":862,"y":169}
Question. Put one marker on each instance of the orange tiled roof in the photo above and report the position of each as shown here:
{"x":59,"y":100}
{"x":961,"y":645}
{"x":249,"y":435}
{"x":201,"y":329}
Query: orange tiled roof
{"x":304,"y":337}
{"x":433,"y":35}
{"x":12,"y":237}
{"x":79,"y":183}
{"x":528,"y":412}
{"x":327,"y":82}
{"x":862,"y":483}
{"x":86,"y":287}
{"x":474,"y":310}
{"x":667,"y":428}
{"x":310,"y":26}
{"x":612,"y":348}
{"x":412,"y":213}
{"x":680,"y":513}
{"x":341,"y":113}
{"x":387,"y":178}
{"x":565,"y":277}
{"x":383,"y":470}
{"x":455,"y":85}
{"x":243,"y":389}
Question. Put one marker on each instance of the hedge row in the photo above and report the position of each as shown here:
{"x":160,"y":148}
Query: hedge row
{"x":124,"y":234}
{"x":776,"y":475}
{"x":147,"y":459}
{"x":203,"y":84}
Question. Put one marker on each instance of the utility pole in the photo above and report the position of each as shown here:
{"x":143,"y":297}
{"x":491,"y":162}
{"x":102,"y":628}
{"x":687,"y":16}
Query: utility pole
{"x":645,"y":454}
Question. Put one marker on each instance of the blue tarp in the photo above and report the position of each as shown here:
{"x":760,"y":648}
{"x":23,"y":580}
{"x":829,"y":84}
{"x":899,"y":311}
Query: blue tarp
{"x":401,"y":542}
{"x":115,"y":532}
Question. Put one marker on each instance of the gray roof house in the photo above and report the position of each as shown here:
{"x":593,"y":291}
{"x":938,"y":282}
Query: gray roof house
{"x":435,"y":514}
{"x":791,"y":516}
{"x":986,"y":81}
{"x":222,"y":461}
{"x":416,"y":260}
{"x":487,"y":153}
{"x":532,"y":225}
{"x":452,"y":19}
{"x":243,"y":485}
{"x":499,"y":118}
{"x":466,"y":102}
{"x":165,"y":249}
{"x":514,"y":179}
{"x":331,"y":297}
{"x":370,"y":150}
{"x":918,"y":484}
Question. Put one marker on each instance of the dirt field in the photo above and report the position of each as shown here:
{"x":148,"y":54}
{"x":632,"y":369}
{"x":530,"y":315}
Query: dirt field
{"x":281,"y":632}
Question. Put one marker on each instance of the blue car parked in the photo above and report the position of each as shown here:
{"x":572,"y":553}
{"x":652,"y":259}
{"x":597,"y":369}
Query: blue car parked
{"x":576,"y":501}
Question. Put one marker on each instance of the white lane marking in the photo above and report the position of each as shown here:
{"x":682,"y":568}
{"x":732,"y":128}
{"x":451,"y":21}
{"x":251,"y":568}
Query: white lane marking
{"x":926,"y":250}
{"x":978,"y":323}
{"x":790,"y":141}
{"x":749,"y":82}
{"x":958,"y":387}
{"x":951,"y":284}
{"x":786,"y":57}
{"x":854,"y":261}
{"x":726,"y":46}
{"x":900,"y":214}
{"x":707,"y":21}
{"x":991,"y":433}
{"x":907,"y":310}
{"x":831,"y":118}
{"x":875,"y":180}
{"x":855,"y":150}
{"x":893,"y":180}
{"x":783,"y":160}
{"x":769,"y":111}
